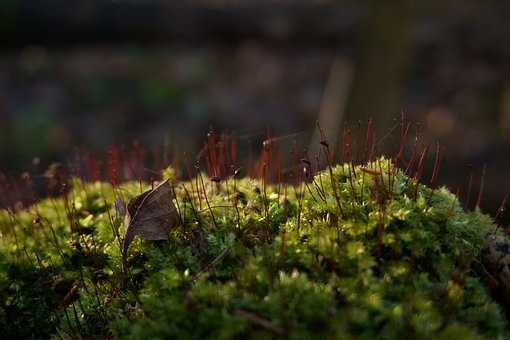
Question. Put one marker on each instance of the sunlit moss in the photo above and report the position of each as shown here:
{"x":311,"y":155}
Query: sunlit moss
{"x":362,"y":254}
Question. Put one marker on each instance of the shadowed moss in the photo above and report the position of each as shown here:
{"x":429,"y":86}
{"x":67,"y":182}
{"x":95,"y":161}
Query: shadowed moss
{"x":358,"y":252}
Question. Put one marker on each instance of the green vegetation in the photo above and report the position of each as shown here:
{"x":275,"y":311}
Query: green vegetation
{"x":355,"y":252}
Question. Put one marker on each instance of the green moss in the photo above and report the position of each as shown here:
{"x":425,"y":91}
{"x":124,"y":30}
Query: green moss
{"x":361,"y":255}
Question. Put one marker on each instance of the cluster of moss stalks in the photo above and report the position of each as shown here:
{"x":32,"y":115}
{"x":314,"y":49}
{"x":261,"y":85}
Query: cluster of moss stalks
{"x":354,"y":252}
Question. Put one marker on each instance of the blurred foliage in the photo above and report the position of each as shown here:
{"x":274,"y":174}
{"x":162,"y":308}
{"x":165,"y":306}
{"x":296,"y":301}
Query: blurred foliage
{"x":442,"y":62}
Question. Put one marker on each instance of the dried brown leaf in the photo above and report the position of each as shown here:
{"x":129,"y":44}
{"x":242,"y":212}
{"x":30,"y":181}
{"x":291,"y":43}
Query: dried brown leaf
{"x":150,"y":215}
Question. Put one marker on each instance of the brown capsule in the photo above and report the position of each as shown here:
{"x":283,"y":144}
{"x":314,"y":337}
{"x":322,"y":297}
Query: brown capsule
{"x":71,"y":296}
{"x":306,"y":161}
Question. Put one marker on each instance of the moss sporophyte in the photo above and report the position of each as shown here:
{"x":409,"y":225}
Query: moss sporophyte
{"x":353,"y":251}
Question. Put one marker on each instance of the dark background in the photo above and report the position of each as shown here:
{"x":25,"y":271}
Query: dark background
{"x":98,"y":73}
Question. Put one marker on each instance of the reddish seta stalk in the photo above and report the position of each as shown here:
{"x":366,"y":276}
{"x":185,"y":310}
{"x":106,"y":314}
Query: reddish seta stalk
{"x":482,"y":187}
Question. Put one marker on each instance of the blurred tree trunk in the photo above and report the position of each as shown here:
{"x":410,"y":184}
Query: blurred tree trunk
{"x":381,"y":65}
{"x":333,"y":103}
{"x":505,"y":112}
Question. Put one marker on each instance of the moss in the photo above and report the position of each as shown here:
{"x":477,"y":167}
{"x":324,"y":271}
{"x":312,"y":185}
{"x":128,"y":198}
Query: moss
{"x":350,"y":253}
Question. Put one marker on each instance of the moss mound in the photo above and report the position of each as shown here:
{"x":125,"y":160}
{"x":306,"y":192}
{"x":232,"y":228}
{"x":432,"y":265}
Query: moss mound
{"x":355,"y":252}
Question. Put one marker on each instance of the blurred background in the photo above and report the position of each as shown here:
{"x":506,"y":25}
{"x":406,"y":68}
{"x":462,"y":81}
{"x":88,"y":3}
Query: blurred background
{"x":95,"y":73}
